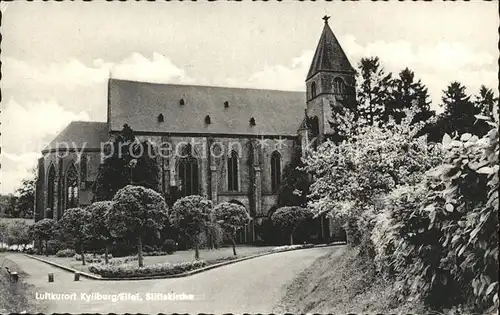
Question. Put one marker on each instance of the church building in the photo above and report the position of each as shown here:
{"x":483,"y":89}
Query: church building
{"x":232,"y":143}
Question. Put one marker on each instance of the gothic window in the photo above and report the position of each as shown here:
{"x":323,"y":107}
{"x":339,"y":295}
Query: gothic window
{"x":71,"y":187}
{"x":252,"y":121}
{"x":338,"y":86}
{"x":188,"y":173}
{"x":313,"y":89}
{"x":83,"y":168}
{"x":232,"y":172}
{"x":275,"y":171}
{"x":51,"y":189}
{"x":208,"y":121}
{"x":314,"y":126}
{"x":161,"y":118}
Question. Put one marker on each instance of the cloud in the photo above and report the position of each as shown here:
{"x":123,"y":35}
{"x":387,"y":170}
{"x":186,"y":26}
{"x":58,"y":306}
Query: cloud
{"x":26,"y":129}
{"x":44,"y":99}
{"x":158,"y":69}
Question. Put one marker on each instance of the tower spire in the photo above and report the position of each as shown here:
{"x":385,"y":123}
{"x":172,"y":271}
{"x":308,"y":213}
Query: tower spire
{"x":329,"y":55}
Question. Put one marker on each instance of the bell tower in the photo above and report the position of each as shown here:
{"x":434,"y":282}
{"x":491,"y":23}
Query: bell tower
{"x":330,"y":79}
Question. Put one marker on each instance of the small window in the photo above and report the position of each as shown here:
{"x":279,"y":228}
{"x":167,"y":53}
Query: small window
{"x":208,"y":120}
{"x":182,"y":101}
{"x":313,"y":89}
{"x":161,"y":118}
{"x":226,"y":104}
{"x":252,"y":121}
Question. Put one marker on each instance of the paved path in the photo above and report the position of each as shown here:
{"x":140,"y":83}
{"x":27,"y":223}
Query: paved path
{"x":252,"y":286}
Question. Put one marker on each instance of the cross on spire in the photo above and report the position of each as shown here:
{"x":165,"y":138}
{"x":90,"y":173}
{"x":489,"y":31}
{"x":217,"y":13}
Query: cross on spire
{"x":325,"y":18}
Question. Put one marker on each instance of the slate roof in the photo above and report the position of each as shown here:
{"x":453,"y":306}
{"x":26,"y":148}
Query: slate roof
{"x":139,"y":104}
{"x":329,"y":55}
{"x":78,"y":133}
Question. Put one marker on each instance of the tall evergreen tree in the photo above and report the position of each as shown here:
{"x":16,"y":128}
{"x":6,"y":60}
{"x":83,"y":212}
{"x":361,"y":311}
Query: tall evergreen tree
{"x":405,"y":93}
{"x":373,"y":92}
{"x":127,"y":162}
{"x":485,"y":101}
{"x":459,"y":110}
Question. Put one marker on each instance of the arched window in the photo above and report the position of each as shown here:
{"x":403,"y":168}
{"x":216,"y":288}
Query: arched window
{"x":161,"y":118}
{"x":208,"y":121}
{"x":232,"y":172}
{"x":314,"y":126}
{"x":313,"y":89}
{"x":252,"y":121}
{"x":83,"y":168}
{"x":71,"y":187}
{"x":51,"y":189}
{"x":338,"y":86}
{"x":188,"y":172}
{"x":275,"y":171}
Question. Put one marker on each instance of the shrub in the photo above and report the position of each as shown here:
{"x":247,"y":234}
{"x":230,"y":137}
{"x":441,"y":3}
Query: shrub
{"x":212,"y":237}
{"x":29,"y":251}
{"x":44,"y":230}
{"x":132,"y":271}
{"x":191,"y":215}
{"x":122,"y":248}
{"x":289,"y":218}
{"x":136,"y":211}
{"x":65,"y":252}
{"x":170,"y":246}
{"x":53,"y":246}
{"x":231,"y":217}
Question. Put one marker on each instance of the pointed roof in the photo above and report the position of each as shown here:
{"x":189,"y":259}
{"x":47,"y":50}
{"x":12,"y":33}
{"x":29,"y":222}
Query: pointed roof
{"x":329,"y":55}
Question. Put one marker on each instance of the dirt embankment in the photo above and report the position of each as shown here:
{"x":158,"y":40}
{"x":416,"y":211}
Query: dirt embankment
{"x":340,"y":283}
{"x":16,"y":297}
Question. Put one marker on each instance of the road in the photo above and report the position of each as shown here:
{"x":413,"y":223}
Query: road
{"x":251,"y":286}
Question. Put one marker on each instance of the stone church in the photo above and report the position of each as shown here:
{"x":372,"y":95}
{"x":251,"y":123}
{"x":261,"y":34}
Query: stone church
{"x":255,"y":133}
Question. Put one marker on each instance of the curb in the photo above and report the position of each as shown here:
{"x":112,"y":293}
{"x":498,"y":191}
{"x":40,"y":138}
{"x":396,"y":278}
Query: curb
{"x":180,"y":275}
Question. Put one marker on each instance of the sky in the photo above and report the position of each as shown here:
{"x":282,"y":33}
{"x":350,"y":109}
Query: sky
{"x":57,"y":56}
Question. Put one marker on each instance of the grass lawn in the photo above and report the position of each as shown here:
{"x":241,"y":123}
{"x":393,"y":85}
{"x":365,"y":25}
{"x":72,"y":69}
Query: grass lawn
{"x":11,"y":220}
{"x":16,"y":297}
{"x":210,"y":256}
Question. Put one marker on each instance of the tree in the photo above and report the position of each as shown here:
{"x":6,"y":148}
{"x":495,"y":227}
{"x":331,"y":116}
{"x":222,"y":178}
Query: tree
{"x":374,"y":91}
{"x":289,"y":218}
{"x":406,"y":93}
{"x":459,"y":111}
{"x":295,"y":186}
{"x":75,"y":226}
{"x":485,"y":102}
{"x":127,"y":162}
{"x":26,"y":200}
{"x":352,"y":178}
{"x":44,"y":230}
{"x":137,"y":211}
{"x":191,"y":215}
{"x":99,"y":232}
{"x":18,"y":233}
{"x":231,"y":218}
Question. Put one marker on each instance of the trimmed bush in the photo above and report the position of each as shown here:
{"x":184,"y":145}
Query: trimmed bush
{"x":68,"y":252}
{"x":133,"y":271}
{"x":53,"y":246}
{"x":170,"y":246}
